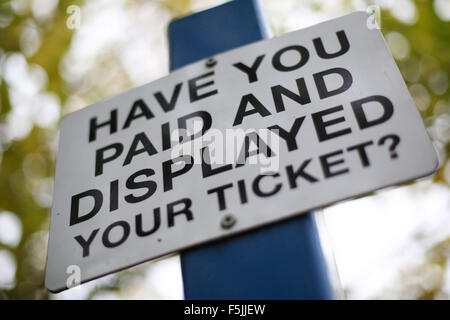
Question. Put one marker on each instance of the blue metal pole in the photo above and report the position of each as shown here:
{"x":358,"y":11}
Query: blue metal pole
{"x":280,"y":261}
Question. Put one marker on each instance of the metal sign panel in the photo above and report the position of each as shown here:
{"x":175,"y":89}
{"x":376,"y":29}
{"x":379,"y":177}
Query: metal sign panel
{"x":246,"y":138}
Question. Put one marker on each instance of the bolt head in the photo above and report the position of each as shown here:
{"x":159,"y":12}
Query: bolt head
{"x":228,"y":221}
{"x":211,"y":62}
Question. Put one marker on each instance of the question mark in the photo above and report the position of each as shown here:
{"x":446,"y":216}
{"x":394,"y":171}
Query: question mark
{"x":395,"y":141}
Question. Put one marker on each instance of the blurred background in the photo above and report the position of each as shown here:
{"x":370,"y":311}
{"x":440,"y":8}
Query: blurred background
{"x":57,"y":57}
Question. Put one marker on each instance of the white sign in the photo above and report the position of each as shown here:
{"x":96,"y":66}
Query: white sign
{"x":271,"y":130}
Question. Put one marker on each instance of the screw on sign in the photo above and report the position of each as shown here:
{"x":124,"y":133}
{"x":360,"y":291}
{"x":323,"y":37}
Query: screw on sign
{"x":211,"y":62}
{"x":228,"y":221}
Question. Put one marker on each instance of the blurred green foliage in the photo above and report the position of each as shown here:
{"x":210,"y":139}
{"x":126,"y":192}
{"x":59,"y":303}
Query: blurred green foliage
{"x":15,"y":184}
{"x":28,"y":160}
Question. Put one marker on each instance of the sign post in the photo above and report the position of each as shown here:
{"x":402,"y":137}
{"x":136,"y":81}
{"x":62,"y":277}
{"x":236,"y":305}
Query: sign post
{"x":280,"y":261}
